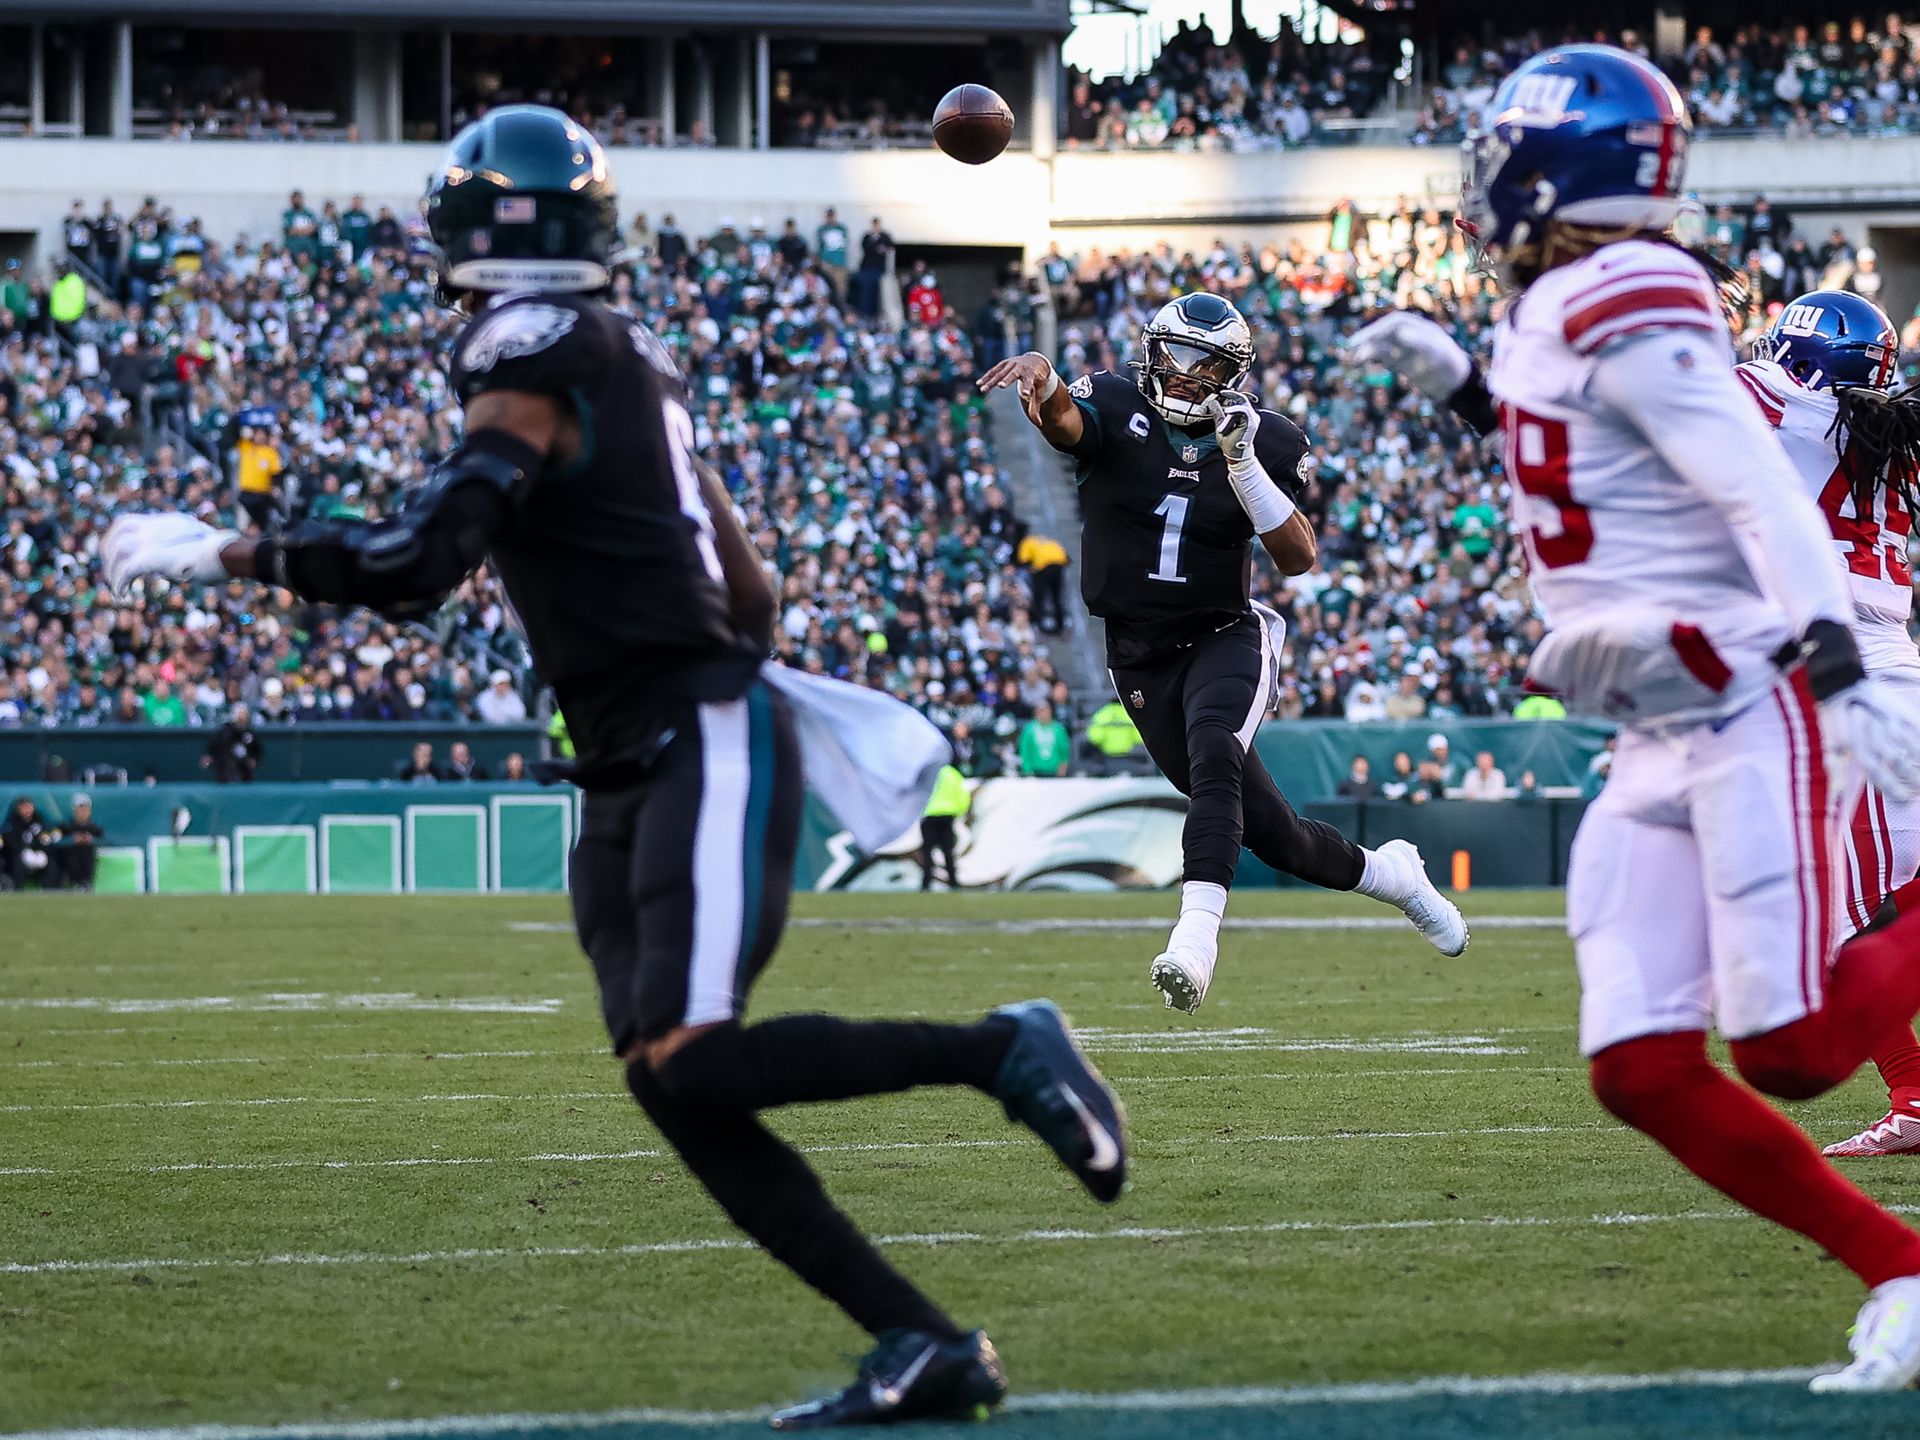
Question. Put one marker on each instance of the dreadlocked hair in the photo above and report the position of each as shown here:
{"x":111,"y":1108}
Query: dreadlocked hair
{"x":1878,"y":436}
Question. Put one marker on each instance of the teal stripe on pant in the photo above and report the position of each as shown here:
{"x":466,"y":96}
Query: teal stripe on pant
{"x":760,"y":786}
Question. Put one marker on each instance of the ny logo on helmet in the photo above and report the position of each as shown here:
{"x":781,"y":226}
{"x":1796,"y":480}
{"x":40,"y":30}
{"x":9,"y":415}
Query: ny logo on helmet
{"x":1539,"y":99}
{"x":1800,"y":320}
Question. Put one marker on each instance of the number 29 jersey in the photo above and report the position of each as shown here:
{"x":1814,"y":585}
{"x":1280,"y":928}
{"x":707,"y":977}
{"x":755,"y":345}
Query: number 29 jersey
{"x":1873,"y":547}
{"x":1166,"y":553}
{"x":1610,"y":529}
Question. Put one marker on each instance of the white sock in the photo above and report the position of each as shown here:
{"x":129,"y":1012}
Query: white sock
{"x":1202,"y":904}
{"x":1381,"y":879}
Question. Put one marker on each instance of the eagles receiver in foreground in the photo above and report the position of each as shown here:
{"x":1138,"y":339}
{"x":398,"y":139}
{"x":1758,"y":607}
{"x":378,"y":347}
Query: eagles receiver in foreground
{"x":648,"y":612}
{"x":1178,"y":473}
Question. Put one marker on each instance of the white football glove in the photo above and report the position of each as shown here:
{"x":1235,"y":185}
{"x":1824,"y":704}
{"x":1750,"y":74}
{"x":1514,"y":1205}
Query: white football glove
{"x":1415,"y":349}
{"x":169,"y":547}
{"x":1878,"y":725}
{"x":1235,"y":423}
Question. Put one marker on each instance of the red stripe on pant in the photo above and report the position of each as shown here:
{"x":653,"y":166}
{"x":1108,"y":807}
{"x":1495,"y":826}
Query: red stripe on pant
{"x":1703,"y":662}
{"x":1805,"y":847}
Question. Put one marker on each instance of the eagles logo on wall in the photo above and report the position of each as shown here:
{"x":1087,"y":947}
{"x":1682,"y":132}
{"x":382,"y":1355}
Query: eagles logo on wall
{"x":1026,"y":834}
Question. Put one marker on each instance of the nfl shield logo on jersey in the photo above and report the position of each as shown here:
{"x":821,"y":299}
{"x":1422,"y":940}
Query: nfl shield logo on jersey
{"x":1139,"y":700}
{"x":1189,"y":454}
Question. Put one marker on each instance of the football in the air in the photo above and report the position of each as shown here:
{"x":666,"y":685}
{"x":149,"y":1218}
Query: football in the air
{"x":972,"y":124}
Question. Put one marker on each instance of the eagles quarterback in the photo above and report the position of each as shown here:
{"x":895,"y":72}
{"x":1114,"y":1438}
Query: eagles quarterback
{"x":1178,"y":472}
{"x":648,"y":612}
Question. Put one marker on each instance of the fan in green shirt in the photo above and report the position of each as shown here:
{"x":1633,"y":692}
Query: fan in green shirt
{"x":1044,"y":748}
{"x":357,"y":226}
{"x":1475,"y":523}
{"x":299,"y":227}
{"x":161,"y":706}
{"x":830,"y":243}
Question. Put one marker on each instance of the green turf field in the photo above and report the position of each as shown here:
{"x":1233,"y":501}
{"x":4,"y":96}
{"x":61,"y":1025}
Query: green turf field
{"x":342,"y":1160}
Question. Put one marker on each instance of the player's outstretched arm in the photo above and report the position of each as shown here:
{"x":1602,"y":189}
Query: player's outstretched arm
{"x":750,"y":597}
{"x":409,"y":562}
{"x":1045,"y":399}
{"x":1424,"y":355}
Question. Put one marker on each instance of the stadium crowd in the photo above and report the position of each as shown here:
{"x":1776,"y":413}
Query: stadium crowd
{"x":1253,"y":92}
{"x":1418,"y":607}
{"x":304,"y":374}
{"x":1828,"y":78}
{"x":1243,"y":91}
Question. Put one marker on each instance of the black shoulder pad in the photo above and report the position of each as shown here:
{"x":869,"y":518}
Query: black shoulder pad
{"x":1284,"y":453}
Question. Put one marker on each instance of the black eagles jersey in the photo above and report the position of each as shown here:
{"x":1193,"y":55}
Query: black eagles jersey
{"x":1166,"y":551}
{"x":610,"y":562}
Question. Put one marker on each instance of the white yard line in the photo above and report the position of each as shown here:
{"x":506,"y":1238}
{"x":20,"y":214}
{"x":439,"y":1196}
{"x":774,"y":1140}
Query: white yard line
{"x":876,"y":1147}
{"x":258,"y":1102}
{"x":1365,"y":1392}
{"x":1232,"y":1040}
{"x":350,"y":1057}
{"x":952,"y":925}
{"x":939,"y":1239}
{"x":280,"y":1001}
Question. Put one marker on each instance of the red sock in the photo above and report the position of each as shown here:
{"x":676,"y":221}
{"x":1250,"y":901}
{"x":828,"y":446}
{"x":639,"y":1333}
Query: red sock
{"x":1906,"y":898}
{"x":1873,"y":991}
{"x":1899,"y":1066}
{"x":1665,"y":1087}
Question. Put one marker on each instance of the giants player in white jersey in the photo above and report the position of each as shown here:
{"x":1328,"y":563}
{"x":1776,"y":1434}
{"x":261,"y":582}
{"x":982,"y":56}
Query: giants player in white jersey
{"x":1690,"y":594}
{"x":1820,"y":379}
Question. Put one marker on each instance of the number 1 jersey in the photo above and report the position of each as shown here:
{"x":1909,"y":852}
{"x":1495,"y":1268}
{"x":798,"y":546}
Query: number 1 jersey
{"x":1166,"y":553}
{"x":1873,"y":547}
{"x":1619,"y":545}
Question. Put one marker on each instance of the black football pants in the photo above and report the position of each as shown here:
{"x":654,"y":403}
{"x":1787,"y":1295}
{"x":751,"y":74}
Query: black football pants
{"x":1197,"y":709}
{"x":936,"y":843}
{"x":680,"y":886}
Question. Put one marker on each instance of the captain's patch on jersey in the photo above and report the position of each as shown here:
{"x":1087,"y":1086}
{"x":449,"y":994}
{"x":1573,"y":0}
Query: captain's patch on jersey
{"x":1082,"y":388}
{"x":518,"y":330}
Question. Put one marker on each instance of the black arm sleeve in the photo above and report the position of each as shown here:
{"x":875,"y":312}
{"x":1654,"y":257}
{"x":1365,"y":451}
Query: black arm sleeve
{"x":1473,"y":403}
{"x":409,"y":563}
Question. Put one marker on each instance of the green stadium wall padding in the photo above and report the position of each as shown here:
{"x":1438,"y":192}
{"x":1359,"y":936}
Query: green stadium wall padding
{"x":316,"y":751}
{"x":1086,"y":834}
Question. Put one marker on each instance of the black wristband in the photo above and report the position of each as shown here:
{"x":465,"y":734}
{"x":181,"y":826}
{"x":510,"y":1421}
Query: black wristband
{"x":270,"y":563}
{"x":1832,"y":658}
{"x":1473,"y":403}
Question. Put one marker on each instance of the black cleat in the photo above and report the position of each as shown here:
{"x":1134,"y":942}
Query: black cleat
{"x":910,"y":1375}
{"x":1049,"y":1086}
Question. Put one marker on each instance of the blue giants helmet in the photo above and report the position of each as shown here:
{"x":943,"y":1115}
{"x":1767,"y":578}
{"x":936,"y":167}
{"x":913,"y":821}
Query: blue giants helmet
{"x":1830,"y":339}
{"x":1585,"y":134}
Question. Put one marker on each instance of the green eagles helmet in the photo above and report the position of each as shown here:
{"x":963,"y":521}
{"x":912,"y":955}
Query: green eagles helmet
{"x":524,"y":201}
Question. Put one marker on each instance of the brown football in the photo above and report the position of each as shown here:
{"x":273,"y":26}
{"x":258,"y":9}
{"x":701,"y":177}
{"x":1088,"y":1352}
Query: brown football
{"x":972,"y":124}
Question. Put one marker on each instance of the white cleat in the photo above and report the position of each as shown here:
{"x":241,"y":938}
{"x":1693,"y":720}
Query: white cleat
{"x":1897,"y":1134}
{"x":1432,"y":914}
{"x":1885,"y":1341}
{"x":1182,"y":974}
